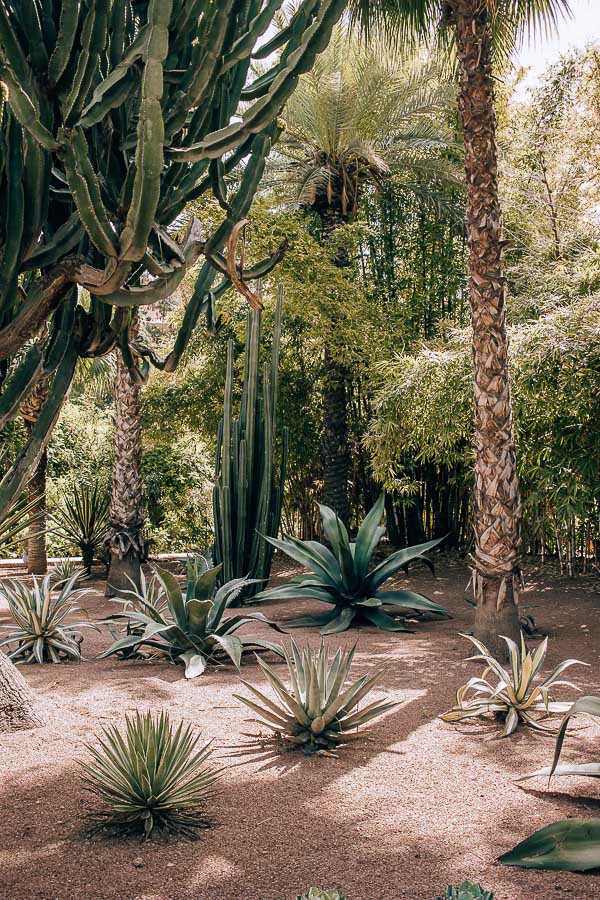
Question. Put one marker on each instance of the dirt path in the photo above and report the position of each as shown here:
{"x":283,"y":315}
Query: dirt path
{"x":417,"y":806}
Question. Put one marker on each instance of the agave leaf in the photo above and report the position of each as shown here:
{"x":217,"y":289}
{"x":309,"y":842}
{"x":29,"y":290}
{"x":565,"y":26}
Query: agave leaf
{"x":382,"y":620}
{"x":397,"y":561}
{"x":310,"y":559}
{"x":299,"y":592}
{"x":341,"y":622}
{"x":570,"y":845}
{"x":195,"y":663}
{"x":175,"y":599}
{"x":197,"y":614}
{"x":410,"y":600}
{"x":369,"y":535}
{"x":232,"y":647}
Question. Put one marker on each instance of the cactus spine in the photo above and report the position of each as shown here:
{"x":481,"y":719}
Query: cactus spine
{"x":249,"y":485}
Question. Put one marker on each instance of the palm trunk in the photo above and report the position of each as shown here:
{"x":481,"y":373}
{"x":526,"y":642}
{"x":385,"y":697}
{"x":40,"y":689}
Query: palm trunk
{"x":18,"y":706}
{"x":37,"y":560}
{"x":497,"y":505}
{"x":125,"y":540}
{"x":336,"y":448}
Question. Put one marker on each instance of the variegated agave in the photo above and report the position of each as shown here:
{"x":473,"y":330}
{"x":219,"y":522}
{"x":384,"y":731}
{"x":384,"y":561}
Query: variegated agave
{"x":191,"y":626}
{"x":318,"y":711}
{"x":340,"y":576}
{"x":151,"y":777}
{"x":515,"y":696}
{"x":40,"y":632}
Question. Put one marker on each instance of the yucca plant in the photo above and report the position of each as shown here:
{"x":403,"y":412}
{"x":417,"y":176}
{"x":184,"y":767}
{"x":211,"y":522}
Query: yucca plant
{"x":191,"y":626}
{"x":40,"y":632}
{"x":515,"y":696}
{"x":318,"y":711}
{"x":152,"y":777}
{"x":340,"y":576}
{"x":466,"y":891}
{"x":584,"y":706}
{"x":315,"y":893}
{"x":82,"y":519}
{"x":63,"y":570}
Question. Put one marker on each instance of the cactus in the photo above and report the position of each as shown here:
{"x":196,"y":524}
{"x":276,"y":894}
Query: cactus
{"x":467,"y":891}
{"x":115,"y":114}
{"x":248,"y":491}
{"x":316,"y":893}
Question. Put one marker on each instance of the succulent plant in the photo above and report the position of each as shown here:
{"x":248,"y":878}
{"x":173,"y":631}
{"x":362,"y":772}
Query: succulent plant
{"x":589,"y":706}
{"x":340,"y":576}
{"x":41,"y":633}
{"x":63,"y":570}
{"x":151,"y":777}
{"x":82,"y":519}
{"x":319,"y":710}
{"x":248,"y":492}
{"x":467,"y":891}
{"x":316,"y":893}
{"x":515,"y":696}
{"x":190,"y":627}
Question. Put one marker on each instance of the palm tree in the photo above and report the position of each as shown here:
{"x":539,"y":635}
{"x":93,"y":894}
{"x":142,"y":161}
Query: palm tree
{"x":125,"y":539}
{"x":478,"y":27}
{"x":360,"y":114}
{"x":37,"y":558}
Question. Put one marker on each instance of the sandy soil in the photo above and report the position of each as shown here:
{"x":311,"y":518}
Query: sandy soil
{"x":418,"y":805}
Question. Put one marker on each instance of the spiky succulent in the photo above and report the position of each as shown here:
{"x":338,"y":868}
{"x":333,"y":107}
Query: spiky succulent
{"x":587,"y":706}
{"x":316,"y":893}
{"x":152,"y":777}
{"x":40,"y":632}
{"x":63,"y":570}
{"x":82,"y":519}
{"x":515,"y":696}
{"x":319,"y":710}
{"x":191,"y":626}
{"x":340,"y":576}
{"x":467,"y":891}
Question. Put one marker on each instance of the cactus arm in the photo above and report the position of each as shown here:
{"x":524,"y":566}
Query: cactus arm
{"x":64,"y":318}
{"x":13,"y":55}
{"x":15,"y":217}
{"x":25,"y":111}
{"x":93,"y":40}
{"x":242,"y":48}
{"x":32,"y":27}
{"x":83,"y":183}
{"x":298,"y":21}
{"x":67,"y":29}
{"x":150,"y":132}
{"x":19,"y":384}
{"x":36,"y":182}
{"x":62,"y":242}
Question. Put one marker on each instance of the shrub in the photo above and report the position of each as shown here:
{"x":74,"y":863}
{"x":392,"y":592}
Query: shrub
{"x":516,"y":696}
{"x":151,"y":777}
{"x":318,"y":712}
{"x":342,"y":577}
{"x":191,"y":627}
{"x":41,"y":633}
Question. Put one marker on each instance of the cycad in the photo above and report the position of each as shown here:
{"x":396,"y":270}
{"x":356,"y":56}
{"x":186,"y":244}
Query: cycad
{"x":341,"y":577}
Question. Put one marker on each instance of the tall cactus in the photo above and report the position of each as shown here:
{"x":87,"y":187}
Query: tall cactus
{"x":248,"y":492}
{"x":114,"y":115}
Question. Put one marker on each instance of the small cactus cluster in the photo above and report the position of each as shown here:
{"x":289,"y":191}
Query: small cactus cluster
{"x":114,"y":115}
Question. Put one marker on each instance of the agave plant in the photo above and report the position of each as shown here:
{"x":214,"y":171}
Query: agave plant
{"x":569,"y":845}
{"x":63,"y":570}
{"x":190,"y":626}
{"x":151,"y":777}
{"x":340,"y":576}
{"x":318,"y":711}
{"x":315,"y":893}
{"x":466,"y":891}
{"x":515,"y":696}
{"x":82,"y":519}
{"x":585,"y":705}
{"x":15,"y":520}
{"x":41,"y":633}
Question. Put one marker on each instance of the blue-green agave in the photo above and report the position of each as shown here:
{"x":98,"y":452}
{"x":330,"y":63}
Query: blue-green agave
{"x":340,"y":576}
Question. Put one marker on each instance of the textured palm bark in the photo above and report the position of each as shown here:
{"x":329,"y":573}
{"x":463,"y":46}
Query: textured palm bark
{"x":37,"y":559}
{"x":18,"y":705}
{"x":125,"y":540}
{"x":497,"y":505}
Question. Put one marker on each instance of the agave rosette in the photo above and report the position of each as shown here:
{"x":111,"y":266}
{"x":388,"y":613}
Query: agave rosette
{"x":40,"y":632}
{"x":190,"y":626}
{"x":516,"y":695}
{"x":151,"y":777}
{"x":340,"y":576}
{"x":318,"y":711}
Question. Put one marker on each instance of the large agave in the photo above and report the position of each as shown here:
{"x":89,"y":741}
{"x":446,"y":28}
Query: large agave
{"x":341,"y":576}
{"x":515,"y":695}
{"x":318,"y":711}
{"x":41,"y":633}
{"x":191,"y":627}
{"x":151,"y":777}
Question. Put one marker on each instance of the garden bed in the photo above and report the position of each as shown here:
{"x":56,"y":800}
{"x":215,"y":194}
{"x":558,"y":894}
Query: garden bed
{"x":414,"y":806}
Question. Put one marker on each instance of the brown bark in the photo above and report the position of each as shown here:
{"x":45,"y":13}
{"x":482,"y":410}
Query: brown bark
{"x":497,"y":505}
{"x":125,"y":539}
{"x":18,"y":705}
{"x":37,"y":561}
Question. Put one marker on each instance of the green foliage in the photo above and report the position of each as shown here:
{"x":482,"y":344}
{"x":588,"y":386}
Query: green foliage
{"x":248,"y":492}
{"x":315,"y":893}
{"x":15,"y":522}
{"x":342,"y":577}
{"x":63,"y":570}
{"x":152,"y":777}
{"x":570,"y":845}
{"x":82,"y":519}
{"x":467,"y":891}
{"x":585,"y":705}
{"x":318,"y":711}
{"x":41,"y":633}
{"x":516,"y":695}
{"x":191,"y":626}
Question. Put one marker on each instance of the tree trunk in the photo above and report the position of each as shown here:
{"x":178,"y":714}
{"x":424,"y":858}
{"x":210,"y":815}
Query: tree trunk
{"x":18,"y":706}
{"x":37,"y":560}
{"x":497,"y":505}
{"x":125,"y":540}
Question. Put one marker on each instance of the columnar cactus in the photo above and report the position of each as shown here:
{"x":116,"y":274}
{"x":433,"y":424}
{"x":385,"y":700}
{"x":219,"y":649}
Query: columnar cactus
{"x":114,"y":115}
{"x":248,"y":491}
